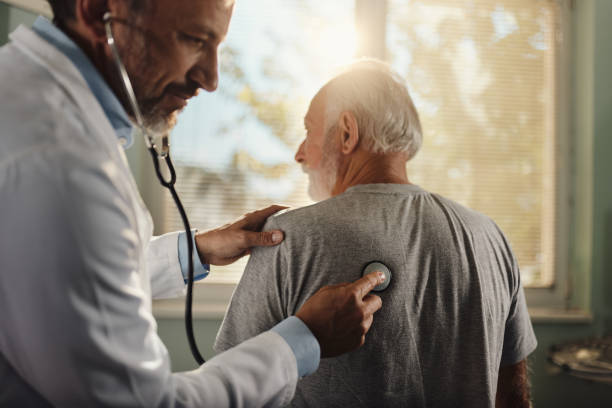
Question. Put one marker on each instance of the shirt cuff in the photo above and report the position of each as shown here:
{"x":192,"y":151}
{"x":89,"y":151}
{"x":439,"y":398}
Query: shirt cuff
{"x":303,"y":343}
{"x":200,"y":270}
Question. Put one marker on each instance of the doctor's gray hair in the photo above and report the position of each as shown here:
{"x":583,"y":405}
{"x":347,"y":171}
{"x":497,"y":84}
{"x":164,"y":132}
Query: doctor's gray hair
{"x":378,"y":98}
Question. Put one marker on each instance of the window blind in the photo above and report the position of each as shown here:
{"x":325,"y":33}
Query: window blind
{"x":483,"y":77}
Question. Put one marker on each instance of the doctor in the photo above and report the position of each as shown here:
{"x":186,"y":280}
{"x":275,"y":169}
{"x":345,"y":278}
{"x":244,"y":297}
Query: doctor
{"x":78,"y":263}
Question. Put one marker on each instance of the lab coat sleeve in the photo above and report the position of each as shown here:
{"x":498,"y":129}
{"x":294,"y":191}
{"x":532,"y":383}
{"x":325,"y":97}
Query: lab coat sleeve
{"x":244,"y":376}
{"x":167,"y":279}
{"x":76,"y":321}
{"x":168,"y":271}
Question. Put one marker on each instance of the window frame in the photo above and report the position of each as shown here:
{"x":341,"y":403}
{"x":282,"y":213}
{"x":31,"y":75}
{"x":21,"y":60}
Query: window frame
{"x":568,"y":298}
{"x":543,"y":301}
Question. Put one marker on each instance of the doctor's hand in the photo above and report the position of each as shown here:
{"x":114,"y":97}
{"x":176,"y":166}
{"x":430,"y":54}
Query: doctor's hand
{"x":224,"y":245}
{"x":340,"y":315}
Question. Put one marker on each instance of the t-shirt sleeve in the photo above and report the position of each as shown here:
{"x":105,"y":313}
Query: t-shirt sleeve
{"x":257,"y":302}
{"x":519,"y":338}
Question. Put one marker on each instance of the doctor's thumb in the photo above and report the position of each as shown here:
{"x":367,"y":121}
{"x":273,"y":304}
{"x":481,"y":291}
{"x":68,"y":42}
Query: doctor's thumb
{"x":265,"y":238}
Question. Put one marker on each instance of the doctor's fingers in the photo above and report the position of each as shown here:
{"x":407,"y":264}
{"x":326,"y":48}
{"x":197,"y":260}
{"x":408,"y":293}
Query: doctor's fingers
{"x":360,"y":331}
{"x":361,"y":287}
{"x":358,"y":289}
{"x":265,"y":238}
{"x":255,"y":220}
{"x":365,"y":327}
{"x":371,"y":304}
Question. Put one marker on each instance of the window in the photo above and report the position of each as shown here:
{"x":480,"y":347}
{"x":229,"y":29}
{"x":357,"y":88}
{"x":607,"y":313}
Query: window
{"x":486,"y":79}
{"x":482,"y":74}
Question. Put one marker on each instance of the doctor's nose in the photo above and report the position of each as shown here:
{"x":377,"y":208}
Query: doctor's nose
{"x":206,"y":72}
{"x":299,"y":155}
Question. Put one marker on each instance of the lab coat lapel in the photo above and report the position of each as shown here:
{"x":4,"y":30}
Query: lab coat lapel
{"x":71,"y":80}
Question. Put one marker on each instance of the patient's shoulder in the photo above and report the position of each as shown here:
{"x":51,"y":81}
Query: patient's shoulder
{"x":315,"y":216}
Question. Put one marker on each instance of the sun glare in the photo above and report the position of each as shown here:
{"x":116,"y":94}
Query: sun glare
{"x":336,"y":45}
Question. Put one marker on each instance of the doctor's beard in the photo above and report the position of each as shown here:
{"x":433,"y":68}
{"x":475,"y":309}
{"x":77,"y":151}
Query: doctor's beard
{"x":156,"y":121}
{"x":141,"y":67}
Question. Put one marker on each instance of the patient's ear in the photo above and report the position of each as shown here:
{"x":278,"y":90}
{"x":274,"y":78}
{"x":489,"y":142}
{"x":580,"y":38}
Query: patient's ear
{"x":349,"y":132}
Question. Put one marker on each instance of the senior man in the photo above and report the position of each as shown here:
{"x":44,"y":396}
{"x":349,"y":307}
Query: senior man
{"x":78,"y":264}
{"x":454,"y":329}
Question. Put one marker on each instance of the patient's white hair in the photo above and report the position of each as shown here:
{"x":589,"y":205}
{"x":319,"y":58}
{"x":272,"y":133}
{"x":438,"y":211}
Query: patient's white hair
{"x":378,"y":98}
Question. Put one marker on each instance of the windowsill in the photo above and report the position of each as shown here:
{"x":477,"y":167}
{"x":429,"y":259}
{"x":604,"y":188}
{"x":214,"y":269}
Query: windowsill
{"x":212,"y":298}
{"x":175,"y":309}
{"x":210,"y":301}
{"x":541,"y":315}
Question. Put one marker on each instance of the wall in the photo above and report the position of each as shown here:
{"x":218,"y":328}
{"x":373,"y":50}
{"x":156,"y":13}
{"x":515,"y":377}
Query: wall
{"x":4,"y":11}
{"x":10,"y":18}
{"x":592,"y":130}
{"x":592,"y":111}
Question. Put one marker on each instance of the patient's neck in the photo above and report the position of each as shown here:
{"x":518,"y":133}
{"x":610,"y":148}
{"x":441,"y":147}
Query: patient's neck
{"x":363,"y":167}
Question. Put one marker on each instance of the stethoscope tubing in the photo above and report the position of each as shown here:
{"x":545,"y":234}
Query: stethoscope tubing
{"x":167,"y":183}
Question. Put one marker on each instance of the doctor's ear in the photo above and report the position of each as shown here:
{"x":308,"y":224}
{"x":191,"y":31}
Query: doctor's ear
{"x":90,"y":18}
{"x":349,"y":132}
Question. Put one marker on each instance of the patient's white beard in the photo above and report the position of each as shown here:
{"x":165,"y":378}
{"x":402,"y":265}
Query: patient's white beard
{"x":322,"y":181}
{"x":319,"y":187}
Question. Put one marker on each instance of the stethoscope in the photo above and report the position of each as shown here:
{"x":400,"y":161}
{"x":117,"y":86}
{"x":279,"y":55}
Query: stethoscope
{"x":377,"y":266}
{"x":168,"y":183}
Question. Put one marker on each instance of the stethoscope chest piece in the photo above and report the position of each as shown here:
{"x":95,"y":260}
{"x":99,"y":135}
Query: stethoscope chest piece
{"x":381,"y":267}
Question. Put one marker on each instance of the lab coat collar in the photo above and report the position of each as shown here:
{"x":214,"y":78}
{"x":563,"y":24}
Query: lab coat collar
{"x":72,"y":82}
{"x":108,"y":101}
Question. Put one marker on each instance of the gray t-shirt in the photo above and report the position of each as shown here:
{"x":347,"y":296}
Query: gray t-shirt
{"x":453,"y":314}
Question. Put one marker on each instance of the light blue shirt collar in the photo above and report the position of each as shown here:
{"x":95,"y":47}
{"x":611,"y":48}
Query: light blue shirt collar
{"x":110,"y":104}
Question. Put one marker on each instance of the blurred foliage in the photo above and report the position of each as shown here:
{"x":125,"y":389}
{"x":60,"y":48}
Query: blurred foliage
{"x":482,"y":75}
{"x":273,"y":110}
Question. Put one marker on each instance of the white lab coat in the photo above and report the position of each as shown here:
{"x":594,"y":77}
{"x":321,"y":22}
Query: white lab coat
{"x":78,"y":265}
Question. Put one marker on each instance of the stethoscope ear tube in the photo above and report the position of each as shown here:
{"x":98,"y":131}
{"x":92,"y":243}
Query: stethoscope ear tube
{"x":169,"y":184}
{"x":125,"y":79}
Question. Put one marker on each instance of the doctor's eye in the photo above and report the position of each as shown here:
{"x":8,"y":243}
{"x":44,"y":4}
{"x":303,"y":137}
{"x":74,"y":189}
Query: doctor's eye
{"x":198,"y":42}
